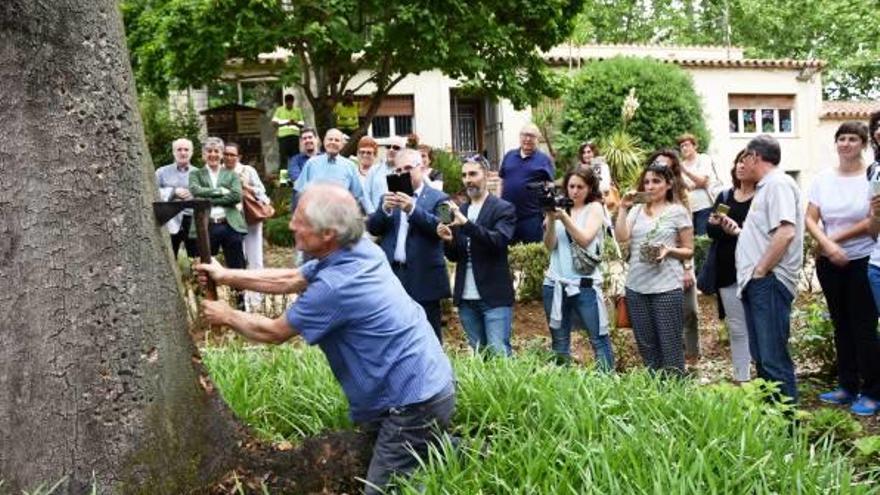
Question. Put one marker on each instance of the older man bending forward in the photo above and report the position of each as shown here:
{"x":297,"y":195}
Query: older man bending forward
{"x":377,"y":340}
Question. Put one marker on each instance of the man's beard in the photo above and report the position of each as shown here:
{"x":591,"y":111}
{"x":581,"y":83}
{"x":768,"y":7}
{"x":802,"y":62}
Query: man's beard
{"x":474,"y":191}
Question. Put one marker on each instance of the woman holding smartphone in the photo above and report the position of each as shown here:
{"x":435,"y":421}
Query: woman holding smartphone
{"x":568,"y":291}
{"x":660,"y":235}
{"x":728,"y":214}
{"x":835,"y":200}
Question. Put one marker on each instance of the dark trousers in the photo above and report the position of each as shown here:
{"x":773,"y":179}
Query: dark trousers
{"x":403,"y":433}
{"x":528,"y":229}
{"x":288,"y":146}
{"x":854,"y":315}
{"x":182,"y":235}
{"x":767,"y":305}
{"x":657,"y":327}
{"x":701,"y":220}
{"x":432,"y":310}
{"x":230,"y":240}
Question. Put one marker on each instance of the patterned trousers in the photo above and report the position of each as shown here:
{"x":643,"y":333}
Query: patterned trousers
{"x":657,"y":324}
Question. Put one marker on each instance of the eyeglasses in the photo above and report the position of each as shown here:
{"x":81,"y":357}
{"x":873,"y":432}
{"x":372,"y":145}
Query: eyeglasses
{"x":404,"y":169}
{"x":230,"y":154}
{"x":395,"y":147}
{"x":366,"y":152}
{"x":528,"y":135}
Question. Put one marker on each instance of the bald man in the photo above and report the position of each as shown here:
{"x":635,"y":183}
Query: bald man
{"x":330,"y":166}
{"x":521,"y":166}
{"x":378,"y":342}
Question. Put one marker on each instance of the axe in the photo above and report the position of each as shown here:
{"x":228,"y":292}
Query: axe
{"x":166,"y":210}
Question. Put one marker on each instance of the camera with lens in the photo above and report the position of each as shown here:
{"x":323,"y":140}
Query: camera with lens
{"x":549,"y":196}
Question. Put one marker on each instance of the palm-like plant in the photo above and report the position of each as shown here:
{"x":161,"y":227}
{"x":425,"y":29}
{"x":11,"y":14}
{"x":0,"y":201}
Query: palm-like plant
{"x":623,"y":151}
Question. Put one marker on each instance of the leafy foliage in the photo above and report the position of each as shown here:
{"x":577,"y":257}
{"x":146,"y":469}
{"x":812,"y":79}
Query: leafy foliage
{"x":668,"y":104}
{"x":533,"y":427}
{"x":277,"y":232}
{"x":450,"y":166}
{"x":493,"y":44}
{"x":813,"y":338}
{"x":162,"y":126}
{"x":528,"y":262}
{"x":841,"y":32}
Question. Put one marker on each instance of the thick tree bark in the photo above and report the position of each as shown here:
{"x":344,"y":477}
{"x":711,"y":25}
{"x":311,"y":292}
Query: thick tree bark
{"x":97,"y":376}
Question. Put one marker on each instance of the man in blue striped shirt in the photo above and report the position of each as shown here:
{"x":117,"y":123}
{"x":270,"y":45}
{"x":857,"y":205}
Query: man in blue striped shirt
{"x":377,"y":340}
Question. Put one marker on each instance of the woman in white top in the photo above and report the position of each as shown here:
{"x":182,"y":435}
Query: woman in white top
{"x":253,"y":241}
{"x":588,"y":157}
{"x":661,"y":237}
{"x":838,"y":199}
{"x":698,"y":170}
{"x":566,"y":290}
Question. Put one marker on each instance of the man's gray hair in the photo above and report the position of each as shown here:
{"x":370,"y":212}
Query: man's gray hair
{"x":478,"y":160}
{"x":330,"y":207}
{"x":179,"y":141}
{"x":767,"y":147}
{"x":212,"y":142}
{"x":408,"y":154}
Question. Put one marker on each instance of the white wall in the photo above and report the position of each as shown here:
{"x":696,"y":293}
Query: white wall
{"x":800,"y":150}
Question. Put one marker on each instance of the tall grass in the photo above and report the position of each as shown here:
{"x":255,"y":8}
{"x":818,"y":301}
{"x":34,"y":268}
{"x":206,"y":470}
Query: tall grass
{"x":530,"y":427}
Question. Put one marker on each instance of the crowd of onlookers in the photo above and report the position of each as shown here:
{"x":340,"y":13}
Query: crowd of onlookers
{"x":753,"y":265}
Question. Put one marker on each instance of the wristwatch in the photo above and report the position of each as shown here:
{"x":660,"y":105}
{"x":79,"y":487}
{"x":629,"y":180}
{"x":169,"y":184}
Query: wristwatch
{"x":687,"y":265}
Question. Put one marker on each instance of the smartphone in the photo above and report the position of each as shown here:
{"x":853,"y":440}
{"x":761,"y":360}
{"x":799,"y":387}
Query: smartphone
{"x":641,"y":197}
{"x":444,"y":213}
{"x":400,"y":183}
{"x":722,"y":209}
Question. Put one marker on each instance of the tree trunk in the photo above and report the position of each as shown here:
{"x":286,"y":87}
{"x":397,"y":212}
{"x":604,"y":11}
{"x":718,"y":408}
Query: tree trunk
{"x":98,"y":382}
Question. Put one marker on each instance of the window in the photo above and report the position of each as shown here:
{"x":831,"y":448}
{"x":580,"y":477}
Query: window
{"x":393,"y":118}
{"x":766,"y":114}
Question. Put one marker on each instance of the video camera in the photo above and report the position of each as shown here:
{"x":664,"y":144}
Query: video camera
{"x":549,"y":196}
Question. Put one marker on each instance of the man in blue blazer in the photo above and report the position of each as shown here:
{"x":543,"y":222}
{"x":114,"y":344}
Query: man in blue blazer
{"x":477,"y":241}
{"x":408,"y":230}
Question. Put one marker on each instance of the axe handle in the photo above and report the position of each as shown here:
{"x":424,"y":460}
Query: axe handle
{"x":203,"y":243}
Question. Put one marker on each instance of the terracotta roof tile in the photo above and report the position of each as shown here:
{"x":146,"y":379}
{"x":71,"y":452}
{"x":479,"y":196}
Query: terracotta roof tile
{"x":785,"y":63}
{"x":849,"y":109}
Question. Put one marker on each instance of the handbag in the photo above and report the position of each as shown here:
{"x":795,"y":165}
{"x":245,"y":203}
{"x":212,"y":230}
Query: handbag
{"x":621,"y":312}
{"x":706,"y":279}
{"x":255,"y":211}
{"x":585,"y":259}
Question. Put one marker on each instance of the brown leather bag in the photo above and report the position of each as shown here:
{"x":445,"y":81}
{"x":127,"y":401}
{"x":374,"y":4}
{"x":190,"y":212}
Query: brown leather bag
{"x":255,"y":211}
{"x":621,"y":315}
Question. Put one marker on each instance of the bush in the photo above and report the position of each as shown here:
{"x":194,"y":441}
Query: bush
{"x":812,"y":339}
{"x":276,"y":231}
{"x":668,"y":104}
{"x":450,"y":166}
{"x":528,"y":262}
{"x":163,"y":125}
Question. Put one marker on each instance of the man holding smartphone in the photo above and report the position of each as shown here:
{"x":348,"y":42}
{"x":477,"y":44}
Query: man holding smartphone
{"x":407,"y":226}
{"x":476,"y":237}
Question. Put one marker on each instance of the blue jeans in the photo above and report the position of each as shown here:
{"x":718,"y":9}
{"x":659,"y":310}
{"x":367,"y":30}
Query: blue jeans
{"x":486,"y":327}
{"x":767,"y":305}
{"x":586,"y":306}
{"x":404,"y":435}
{"x":874,"y":279}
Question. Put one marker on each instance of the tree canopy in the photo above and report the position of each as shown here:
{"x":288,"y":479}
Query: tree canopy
{"x":841,"y":32}
{"x":493,"y":44}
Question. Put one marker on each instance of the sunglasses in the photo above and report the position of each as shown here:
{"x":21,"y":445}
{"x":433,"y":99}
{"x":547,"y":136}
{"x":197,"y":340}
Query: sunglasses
{"x":395,"y":147}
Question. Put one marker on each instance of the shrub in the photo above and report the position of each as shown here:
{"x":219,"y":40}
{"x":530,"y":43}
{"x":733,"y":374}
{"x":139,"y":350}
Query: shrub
{"x":276,"y":231}
{"x":668,"y":104}
{"x":701,"y":250}
{"x":450,"y":166}
{"x":528,"y":262}
{"x":162,"y":125}
{"x":813,"y":339}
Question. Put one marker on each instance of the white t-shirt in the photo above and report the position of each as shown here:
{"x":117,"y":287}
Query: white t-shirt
{"x":699,"y":199}
{"x":875,"y":177}
{"x":842,"y":203}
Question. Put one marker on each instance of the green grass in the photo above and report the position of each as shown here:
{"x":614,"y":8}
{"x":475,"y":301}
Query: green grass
{"x":530,"y":427}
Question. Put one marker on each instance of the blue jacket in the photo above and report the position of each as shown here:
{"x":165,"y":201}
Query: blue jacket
{"x":489,"y":237}
{"x":424,"y":277}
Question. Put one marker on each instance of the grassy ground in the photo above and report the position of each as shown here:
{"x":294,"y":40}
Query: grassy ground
{"x":533,"y":427}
